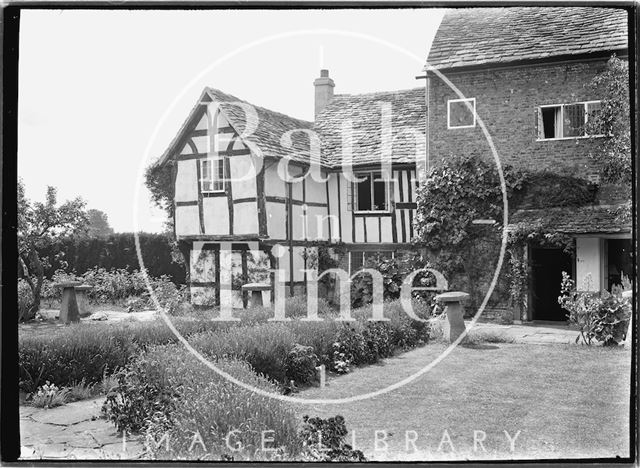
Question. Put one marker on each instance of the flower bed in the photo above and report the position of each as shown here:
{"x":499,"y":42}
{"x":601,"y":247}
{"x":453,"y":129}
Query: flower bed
{"x":86,"y":351}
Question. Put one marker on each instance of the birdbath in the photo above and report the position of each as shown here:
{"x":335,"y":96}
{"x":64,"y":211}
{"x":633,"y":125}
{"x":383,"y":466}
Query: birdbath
{"x":82,"y":297}
{"x":256,"y":290}
{"x":454,"y":326}
{"x":69,"y":308}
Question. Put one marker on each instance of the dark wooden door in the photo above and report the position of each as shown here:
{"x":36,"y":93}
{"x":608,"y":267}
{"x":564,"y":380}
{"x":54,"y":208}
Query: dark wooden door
{"x":547,"y":266}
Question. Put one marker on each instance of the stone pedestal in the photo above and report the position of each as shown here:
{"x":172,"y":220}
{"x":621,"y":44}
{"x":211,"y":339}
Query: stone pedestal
{"x":82,"y":297}
{"x":69,"y":307}
{"x":454,"y":326}
{"x":256,"y":291}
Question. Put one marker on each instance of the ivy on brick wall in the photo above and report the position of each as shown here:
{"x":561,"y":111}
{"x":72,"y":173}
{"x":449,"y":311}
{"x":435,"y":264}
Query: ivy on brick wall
{"x":613,"y":121}
{"x":466,"y":188}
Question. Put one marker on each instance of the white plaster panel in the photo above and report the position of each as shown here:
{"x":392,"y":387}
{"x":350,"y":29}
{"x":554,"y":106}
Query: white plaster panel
{"x":216,"y":215}
{"x":274,"y":186}
{"x":245,"y":218}
{"x":202,"y":123}
{"x":373,"y":234}
{"x":202,"y":143}
{"x":276,"y":215}
{"x":316,"y":191}
{"x":298,"y":221}
{"x":187,"y":222}
{"x":186,"y":181}
{"x":359,"y":228}
{"x":243,"y":182}
{"x":387,"y":234}
{"x":319,"y":223}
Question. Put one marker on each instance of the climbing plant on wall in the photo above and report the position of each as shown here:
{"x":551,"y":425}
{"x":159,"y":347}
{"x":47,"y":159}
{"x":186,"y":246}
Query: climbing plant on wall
{"x":466,"y":188}
{"x":613,"y":156}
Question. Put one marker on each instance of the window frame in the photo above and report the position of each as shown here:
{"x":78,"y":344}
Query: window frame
{"x":219,"y":159}
{"x":354,"y":196}
{"x":449,"y":127}
{"x":562,"y":106}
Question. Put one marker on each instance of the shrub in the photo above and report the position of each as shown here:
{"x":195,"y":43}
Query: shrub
{"x":264,"y":346}
{"x":65,"y":358}
{"x":319,"y":335}
{"x":600,"y":316}
{"x":87,"y":350}
{"x":142,"y":392}
{"x":301,"y":364}
{"x":83,"y":391}
{"x":177,"y":397}
{"x":324,"y":441}
{"x":49,"y":396}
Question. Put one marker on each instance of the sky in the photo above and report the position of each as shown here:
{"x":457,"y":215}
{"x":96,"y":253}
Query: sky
{"x":102,"y":93}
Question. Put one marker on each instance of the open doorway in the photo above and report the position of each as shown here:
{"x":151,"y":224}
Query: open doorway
{"x":547,"y":266}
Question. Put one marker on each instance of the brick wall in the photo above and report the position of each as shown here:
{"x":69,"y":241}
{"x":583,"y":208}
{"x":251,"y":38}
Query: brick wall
{"x":506,"y":100}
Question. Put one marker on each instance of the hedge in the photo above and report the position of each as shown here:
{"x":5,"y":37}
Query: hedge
{"x":117,"y":251}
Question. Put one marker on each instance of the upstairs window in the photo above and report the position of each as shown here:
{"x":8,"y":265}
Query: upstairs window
{"x":372,"y":193}
{"x":213,"y":175}
{"x":461,"y":113}
{"x":566,"y":120}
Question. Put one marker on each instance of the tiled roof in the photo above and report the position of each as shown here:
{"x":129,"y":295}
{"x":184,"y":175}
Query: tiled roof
{"x":594,"y":219}
{"x":365,"y":113}
{"x":478,"y":36}
{"x":268,"y":129}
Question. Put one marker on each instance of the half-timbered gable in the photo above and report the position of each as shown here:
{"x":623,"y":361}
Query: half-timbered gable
{"x":230,"y":159}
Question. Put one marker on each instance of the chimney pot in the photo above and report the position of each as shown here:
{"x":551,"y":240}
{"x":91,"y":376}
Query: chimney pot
{"x":324,"y":91}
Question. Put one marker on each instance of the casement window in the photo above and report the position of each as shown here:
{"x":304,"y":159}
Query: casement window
{"x":371,"y":193}
{"x":213,"y":175}
{"x":461,"y":113}
{"x":561,"y":121}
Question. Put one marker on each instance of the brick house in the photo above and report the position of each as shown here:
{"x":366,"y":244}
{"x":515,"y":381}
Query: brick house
{"x":526,"y":72}
{"x":228,"y":159}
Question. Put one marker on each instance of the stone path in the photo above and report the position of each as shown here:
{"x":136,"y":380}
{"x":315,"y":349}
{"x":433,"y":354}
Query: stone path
{"x":50,"y":321}
{"x":73,"y":431}
{"x":534,"y":333}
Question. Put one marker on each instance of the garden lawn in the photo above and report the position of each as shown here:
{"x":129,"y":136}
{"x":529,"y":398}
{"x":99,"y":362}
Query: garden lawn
{"x":567,"y":401}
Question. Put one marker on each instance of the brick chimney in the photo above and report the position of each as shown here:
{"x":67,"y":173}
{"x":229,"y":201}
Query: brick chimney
{"x":324,"y":91}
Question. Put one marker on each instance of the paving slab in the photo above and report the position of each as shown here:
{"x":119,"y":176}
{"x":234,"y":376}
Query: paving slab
{"x":74,"y":431}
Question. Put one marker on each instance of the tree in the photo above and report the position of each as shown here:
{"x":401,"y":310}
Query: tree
{"x":613,"y":156}
{"x":98,"y":224}
{"x":39,"y":224}
{"x":159,"y":181}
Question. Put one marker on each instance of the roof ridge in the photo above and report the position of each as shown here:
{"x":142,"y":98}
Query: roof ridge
{"x":374,"y":93}
{"x":271,"y":111}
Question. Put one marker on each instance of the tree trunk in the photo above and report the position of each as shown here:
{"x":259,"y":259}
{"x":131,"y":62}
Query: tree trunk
{"x":36,"y":288}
